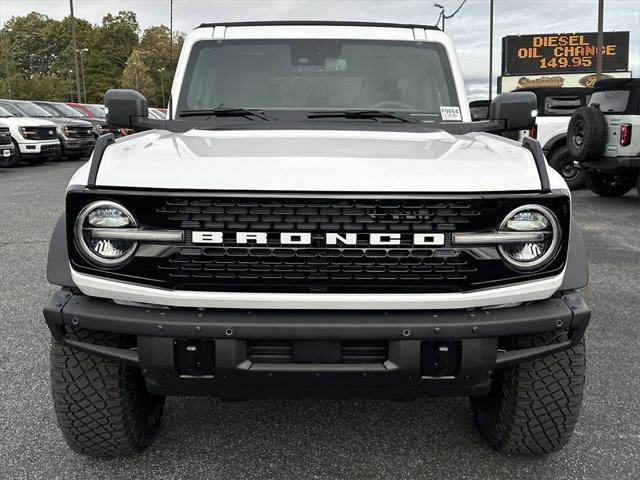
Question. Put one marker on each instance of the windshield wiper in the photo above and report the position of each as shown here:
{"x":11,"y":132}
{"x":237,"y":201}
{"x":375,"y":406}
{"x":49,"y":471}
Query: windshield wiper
{"x":360,"y":114}
{"x":225,"y":112}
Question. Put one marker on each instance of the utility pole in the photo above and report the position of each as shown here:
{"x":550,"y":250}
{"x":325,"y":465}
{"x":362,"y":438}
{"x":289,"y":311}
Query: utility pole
{"x":84,"y":85}
{"x":74,"y":47}
{"x":490,"y":49}
{"x":171,"y":39}
{"x":600,"y":40}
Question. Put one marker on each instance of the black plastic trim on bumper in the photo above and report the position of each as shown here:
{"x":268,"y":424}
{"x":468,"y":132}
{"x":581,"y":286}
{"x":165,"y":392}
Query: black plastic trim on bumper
{"x":79,"y":311}
{"x":614,"y":163}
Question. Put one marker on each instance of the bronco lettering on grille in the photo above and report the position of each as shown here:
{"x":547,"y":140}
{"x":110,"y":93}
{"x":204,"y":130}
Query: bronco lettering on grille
{"x":304,"y":238}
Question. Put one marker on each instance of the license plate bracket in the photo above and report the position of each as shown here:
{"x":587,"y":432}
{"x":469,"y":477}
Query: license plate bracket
{"x":316,"y":351}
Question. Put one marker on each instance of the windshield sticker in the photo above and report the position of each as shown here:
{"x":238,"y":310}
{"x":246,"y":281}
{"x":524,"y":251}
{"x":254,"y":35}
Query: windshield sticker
{"x":450,"y":113}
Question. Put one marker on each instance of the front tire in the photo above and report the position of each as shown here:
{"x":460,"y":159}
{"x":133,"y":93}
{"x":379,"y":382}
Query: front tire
{"x":103,"y":408}
{"x":608,"y":184}
{"x":561,"y":162}
{"x":533,"y":407}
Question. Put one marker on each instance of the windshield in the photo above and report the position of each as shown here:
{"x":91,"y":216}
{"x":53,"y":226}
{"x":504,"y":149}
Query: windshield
{"x":50,"y":110}
{"x":5,"y":113}
{"x":66,"y":110}
{"x":321,"y":75}
{"x":32,"y":110}
{"x":96,"y":110}
{"x":12,"y":110}
{"x":614,"y":101}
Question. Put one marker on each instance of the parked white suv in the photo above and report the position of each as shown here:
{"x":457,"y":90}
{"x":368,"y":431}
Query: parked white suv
{"x":34,"y":139}
{"x":555,"y":107}
{"x":605,"y":137}
{"x":317,"y":216}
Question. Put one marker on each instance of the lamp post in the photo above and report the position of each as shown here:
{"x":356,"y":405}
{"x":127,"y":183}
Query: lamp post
{"x":74,"y":48}
{"x":442,"y":15}
{"x":161,"y":70}
{"x":84,"y":85}
{"x":490,"y":48}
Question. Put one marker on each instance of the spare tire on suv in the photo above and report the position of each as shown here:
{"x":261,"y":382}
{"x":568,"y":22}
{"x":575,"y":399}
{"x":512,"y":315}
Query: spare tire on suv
{"x":587,"y":134}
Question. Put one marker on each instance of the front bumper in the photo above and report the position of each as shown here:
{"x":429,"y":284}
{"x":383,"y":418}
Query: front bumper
{"x":479,"y":334}
{"x":77,"y":146}
{"x":48,"y":149}
{"x":7,"y":150}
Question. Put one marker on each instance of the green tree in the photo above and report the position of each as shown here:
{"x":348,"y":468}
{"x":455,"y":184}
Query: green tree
{"x":136,"y":75}
{"x":156,"y":52}
{"x":31,"y":50}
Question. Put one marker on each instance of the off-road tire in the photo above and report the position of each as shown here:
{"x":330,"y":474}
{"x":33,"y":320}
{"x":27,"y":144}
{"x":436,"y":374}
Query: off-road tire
{"x":589,"y":145}
{"x":608,"y":184}
{"x":558,"y":159}
{"x":103,"y":408}
{"x":15,"y":161}
{"x":533,"y":407}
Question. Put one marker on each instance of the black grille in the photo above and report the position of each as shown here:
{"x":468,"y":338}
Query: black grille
{"x":351,"y":351}
{"x":318,"y":267}
{"x":5,"y":136}
{"x":79,"y":132}
{"x":42,"y":133}
{"x":359,"y":266}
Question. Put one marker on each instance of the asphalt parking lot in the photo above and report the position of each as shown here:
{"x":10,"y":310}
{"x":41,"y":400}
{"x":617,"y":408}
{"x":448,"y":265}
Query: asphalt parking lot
{"x":320,"y":439}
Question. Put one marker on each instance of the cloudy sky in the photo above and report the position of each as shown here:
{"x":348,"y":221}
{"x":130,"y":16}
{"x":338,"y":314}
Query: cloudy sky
{"x":469,"y":28}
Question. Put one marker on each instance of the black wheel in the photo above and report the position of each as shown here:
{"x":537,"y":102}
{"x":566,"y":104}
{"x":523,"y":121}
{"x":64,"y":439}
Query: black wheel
{"x":103,"y":408}
{"x":12,"y":161}
{"x":533,"y":407}
{"x":570,"y":169}
{"x":608,"y":184}
{"x":587,"y":134}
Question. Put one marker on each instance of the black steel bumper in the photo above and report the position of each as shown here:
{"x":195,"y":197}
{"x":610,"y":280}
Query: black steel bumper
{"x":477,"y":333}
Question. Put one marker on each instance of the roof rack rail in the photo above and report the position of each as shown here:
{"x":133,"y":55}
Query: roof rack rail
{"x":317,"y":22}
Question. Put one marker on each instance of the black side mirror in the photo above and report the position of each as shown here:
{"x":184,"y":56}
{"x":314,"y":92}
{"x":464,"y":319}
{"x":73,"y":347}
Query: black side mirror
{"x":479,"y":110}
{"x":518,"y":110}
{"x":125,"y":108}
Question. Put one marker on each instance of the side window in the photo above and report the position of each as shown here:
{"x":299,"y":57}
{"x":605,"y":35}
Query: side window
{"x":561,"y":106}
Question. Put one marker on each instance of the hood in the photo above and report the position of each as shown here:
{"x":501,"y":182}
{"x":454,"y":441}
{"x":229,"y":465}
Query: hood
{"x":319,"y":161}
{"x":68,"y":122}
{"x":27,"y":122}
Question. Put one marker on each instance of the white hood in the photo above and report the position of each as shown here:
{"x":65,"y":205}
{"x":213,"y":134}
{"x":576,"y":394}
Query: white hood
{"x":26,"y":122}
{"x":320,"y":161}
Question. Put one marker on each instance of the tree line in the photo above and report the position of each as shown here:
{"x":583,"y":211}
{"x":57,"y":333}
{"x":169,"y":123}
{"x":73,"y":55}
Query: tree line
{"x":36,"y":58}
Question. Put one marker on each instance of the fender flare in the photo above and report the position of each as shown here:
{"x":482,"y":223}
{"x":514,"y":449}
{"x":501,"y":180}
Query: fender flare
{"x":554,"y":141}
{"x":577,"y":271}
{"x":58,"y":270}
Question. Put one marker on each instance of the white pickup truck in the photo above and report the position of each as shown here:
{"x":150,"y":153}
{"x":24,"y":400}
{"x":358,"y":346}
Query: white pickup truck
{"x":317,"y":216}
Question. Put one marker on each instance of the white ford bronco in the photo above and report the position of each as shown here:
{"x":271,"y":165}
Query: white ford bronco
{"x":317,"y":216}
{"x":604,"y":137}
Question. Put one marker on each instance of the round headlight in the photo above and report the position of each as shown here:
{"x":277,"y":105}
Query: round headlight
{"x":534,"y":219}
{"x":104,"y":215}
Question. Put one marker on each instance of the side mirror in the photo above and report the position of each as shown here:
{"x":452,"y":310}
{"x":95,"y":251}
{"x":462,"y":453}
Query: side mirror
{"x":125,"y":108}
{"x":518,"y":110}
{"x":479,"y":110}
